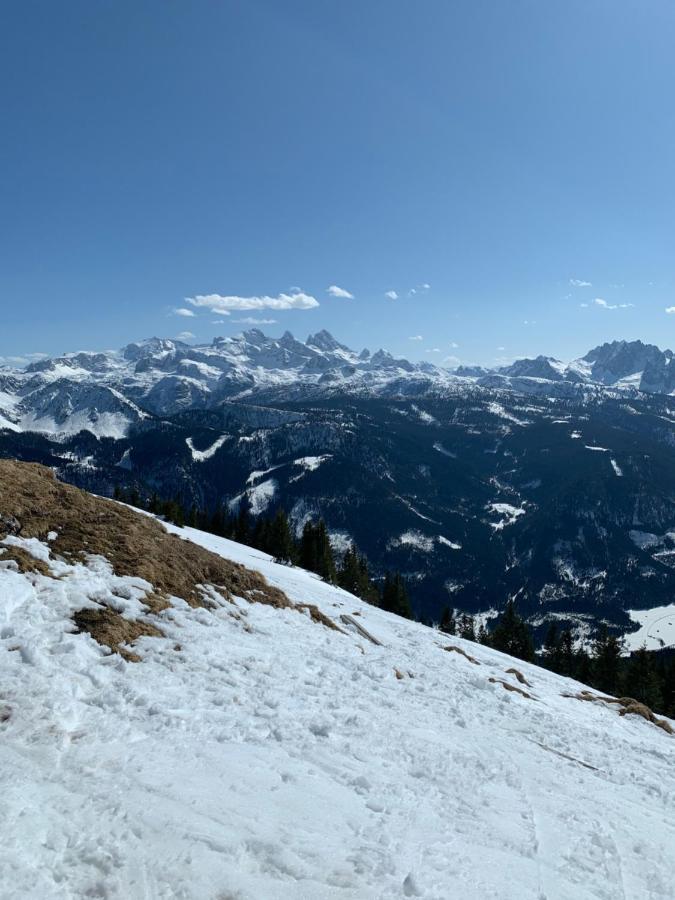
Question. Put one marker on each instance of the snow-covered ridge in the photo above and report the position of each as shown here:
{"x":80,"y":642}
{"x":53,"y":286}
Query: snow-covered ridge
{"x":107,"y":393}
{"x":253,"y":752}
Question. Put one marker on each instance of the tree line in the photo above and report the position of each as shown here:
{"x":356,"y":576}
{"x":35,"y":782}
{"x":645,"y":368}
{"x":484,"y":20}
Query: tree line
{"x":646,"y":676}
{"x":273,"y":534}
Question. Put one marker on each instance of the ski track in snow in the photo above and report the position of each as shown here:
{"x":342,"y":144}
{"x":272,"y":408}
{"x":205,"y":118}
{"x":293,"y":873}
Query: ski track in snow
{"x":267,"y":756}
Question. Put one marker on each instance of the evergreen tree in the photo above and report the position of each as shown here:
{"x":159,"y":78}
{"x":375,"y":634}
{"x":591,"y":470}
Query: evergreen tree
{"x":668,"y":689}
{"x":242,"y":524}
{"x":395,"y":595}
{"x":484,"y":637}
{"x":582,"y":667}
{"x":192,"y":517}
{"x":448,"y":625}
{"x":606,"y":662}
{"x":552,"y":647}
{"x":642,"y":679}
{"x":350,"y":575}
{"x":512,"y":634}
{"x":280,"y":540}
{"x":325,"y":559}
{"x":566,"y":661}
{"x":467,"y":628}
{"x":316,"y":553}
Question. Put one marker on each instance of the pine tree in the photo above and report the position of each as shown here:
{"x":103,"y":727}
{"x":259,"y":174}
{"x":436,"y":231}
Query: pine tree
{"x":484,"y":637}
{"x":242,"y":525}
{"x":512,"y":634}
{"x":467,"y":629}
{"x":606,"y":657}
{"x":350,"y":576}
{"x":642,"y":679}
{"x":280,"y":540}
{"x":308,"y":548}
{"x":552,"y":647}
{"x":566,"y":655}
{"x":448,"y":625}
{"x":325,"y":559}
{"x":395,"y":595}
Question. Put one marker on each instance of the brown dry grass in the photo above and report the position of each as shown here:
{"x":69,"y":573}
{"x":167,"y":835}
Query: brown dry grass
{"x":519,"y":675}
{"x":629,"y":707}
{"x":133,"y":543}
{"x":25,"y":563}
{"x":112,"y":630}
{"x":512,"y":688}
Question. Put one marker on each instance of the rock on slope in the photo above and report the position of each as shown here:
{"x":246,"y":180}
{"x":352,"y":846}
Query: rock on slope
{"x":255,"y":751}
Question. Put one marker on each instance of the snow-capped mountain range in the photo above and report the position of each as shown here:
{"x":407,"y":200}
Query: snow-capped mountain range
{"x":107,"y":392}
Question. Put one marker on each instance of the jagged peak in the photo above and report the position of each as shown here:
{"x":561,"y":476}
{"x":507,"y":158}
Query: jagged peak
{"x":324,"y":340}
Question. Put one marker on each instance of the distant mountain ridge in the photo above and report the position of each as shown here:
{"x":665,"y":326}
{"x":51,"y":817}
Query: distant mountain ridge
{"x":109,"y":392}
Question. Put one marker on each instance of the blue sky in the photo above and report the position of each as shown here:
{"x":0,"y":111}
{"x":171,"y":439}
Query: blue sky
{"x":479,"y":159}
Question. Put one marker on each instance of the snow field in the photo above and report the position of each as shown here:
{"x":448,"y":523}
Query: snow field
{"x":255,"y":754}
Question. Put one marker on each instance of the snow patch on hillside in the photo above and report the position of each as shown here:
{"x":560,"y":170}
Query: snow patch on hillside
{"x":509,"y":514}
{"x":253,"y":753}
{"x":203,"y":455}
{"x":441,"y":449}
{"x":309,"y":464}
{"x":657,"y":628}
{"x":618,"y":471}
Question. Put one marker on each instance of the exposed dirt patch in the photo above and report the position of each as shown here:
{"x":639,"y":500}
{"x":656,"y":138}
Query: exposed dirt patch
{"x":452,"y":649}
{"x":629,"y":707}
{"x":112,"y":630}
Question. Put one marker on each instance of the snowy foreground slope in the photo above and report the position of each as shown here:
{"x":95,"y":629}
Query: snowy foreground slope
{"x":255,"y":754}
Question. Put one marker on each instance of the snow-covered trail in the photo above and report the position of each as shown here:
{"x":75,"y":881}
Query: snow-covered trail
{"x":265,"y":756}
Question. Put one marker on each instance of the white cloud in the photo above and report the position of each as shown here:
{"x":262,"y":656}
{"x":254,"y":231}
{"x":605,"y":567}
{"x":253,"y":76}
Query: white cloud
{"x":579,"y":282}
{"x":603,"y":304}
{"x":181,"y":311}
{"x":529,"y":322}
{"x":454,"y":345}
{"x":415,"y":337}
{"x":501,"y":349}
{"x":584,"y":305}
{"x":391,"y":295}
{"x":251,"y":320}
{"x":670,"y":310}
{"x":22,"y":360}
{"x":452,"y":360}
{"x":336,"y":291}
{"x":223,"y":304}
{"x":419,"y":289}
{"x":184,"y":336}
{"x":433,"y":350}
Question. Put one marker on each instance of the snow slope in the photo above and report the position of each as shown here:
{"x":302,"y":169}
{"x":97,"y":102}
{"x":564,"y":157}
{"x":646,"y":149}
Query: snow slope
{"x":254,"y":754}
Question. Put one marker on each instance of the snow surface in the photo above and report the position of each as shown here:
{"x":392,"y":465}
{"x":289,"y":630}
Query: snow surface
{"x":507,"y":511}
{"x":203,"y":455}
{"x":657,"y":628}
{"x":260,"y":755}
